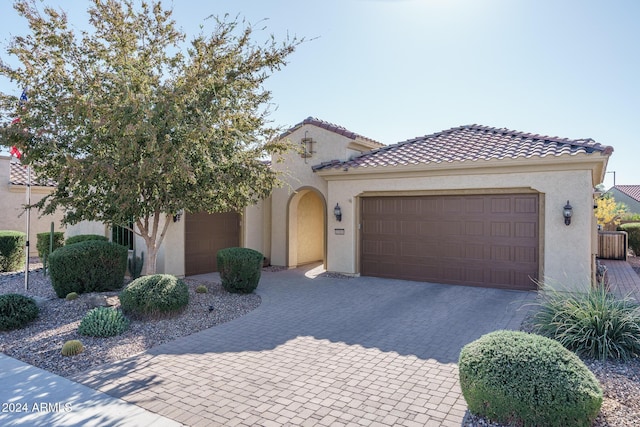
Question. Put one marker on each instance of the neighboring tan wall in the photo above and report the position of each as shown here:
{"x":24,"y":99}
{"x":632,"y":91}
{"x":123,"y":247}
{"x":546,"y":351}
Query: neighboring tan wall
{"x":88,"y":227}
{"x":12,"y":213}
{"x":171,"y":252}
{"x":310,"y":243}
{"x":632,"y":204}
{"x":253,"y":227}
{"x":297,"y":174}
{"x":566,"y":250}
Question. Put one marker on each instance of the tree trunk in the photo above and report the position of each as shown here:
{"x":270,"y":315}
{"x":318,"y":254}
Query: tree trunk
{"x":148,"y":230}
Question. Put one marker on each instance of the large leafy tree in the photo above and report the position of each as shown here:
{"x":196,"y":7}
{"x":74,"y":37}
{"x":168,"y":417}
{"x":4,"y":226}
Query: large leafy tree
{"x":608,"y":212}
{"x":135,"y":123}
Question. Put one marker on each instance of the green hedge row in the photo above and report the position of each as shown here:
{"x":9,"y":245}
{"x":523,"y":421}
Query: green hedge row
{"x":12,"y":244}
{"x":89,"y":266}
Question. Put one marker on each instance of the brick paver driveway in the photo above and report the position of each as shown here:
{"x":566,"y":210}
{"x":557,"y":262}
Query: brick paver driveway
{"x":320,"y":351}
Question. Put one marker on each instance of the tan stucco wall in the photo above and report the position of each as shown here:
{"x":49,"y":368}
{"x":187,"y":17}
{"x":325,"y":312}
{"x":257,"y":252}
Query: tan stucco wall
{"x":88,"y":227}
{"x":298,"y":175}
{"x":566,"y":251}
{"x":255,"y":233}
{"x":12,"y":213}
{"x":310,"y":223}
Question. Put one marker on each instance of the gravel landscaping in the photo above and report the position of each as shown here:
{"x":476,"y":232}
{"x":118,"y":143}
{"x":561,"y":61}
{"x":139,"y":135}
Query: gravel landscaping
{"x":39,"y":343}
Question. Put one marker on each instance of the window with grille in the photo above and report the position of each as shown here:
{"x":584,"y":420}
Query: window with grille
{"x":122,"y":236}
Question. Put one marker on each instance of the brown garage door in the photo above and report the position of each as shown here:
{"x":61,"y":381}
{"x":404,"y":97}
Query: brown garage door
{"x":478,"y":240}
{"x":205,"y":234}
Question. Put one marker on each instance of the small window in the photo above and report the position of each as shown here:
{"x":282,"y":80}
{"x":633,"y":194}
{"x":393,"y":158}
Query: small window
{"x":122,"y":236}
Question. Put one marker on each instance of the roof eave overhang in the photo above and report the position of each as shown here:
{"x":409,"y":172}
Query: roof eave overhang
{"x":596,"y":163}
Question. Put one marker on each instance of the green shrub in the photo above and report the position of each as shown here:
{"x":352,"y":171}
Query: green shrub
{"x":84,"y":237}
{"x":12,"y":244}
{"x":43,"y":243}
{"x":71,"y":348}
{"x":633,"y":230}
{"x":16,"y":311}
{"x":202,"y":289}
{"x":239,"y":269}
{"x":103,"y":322}
{"x":157,"y":295}
{"x":525,"y":379}
{"x":594,"y":324}
{"x":71,"y":296}
{"x":89,"y":266}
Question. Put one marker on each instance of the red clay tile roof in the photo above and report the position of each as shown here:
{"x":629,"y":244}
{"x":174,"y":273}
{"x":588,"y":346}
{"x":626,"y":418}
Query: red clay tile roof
{"x":330,"y":127}
{"x":18,"y":176}
{"x":632,"y":191}
{"x":469,"y":143}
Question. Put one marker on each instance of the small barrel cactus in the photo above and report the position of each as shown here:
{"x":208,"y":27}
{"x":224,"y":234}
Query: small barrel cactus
{"x":71,"y":348}
{"x":202,"y":289}
{"x":71,"y":296}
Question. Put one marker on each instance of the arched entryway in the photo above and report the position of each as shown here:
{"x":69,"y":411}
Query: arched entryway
{"x":307,"y":219}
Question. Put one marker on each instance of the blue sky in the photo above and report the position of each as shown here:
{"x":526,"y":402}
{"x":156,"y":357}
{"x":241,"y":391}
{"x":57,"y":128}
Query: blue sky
{"x":395,"y":69}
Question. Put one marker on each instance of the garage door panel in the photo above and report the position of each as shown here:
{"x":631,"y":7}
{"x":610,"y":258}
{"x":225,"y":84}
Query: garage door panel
{"x":486,"y":240}
{"x":205,"y":234}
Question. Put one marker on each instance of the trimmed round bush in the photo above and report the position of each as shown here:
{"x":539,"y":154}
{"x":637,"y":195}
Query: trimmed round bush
{"x":103,"y":322}
{"x":84,"y":237}
{"x":239,"y":269}
{"x":90,"y":266}
{"x":72,"y":348}
{"x":16,"y":311}
{"x":525,"y":379}
{"x":157,"y":295}
{"x":596,"y":324}
{"x":12,"y":244}
{"x":633,"y":231}
{"x":44,"y":242}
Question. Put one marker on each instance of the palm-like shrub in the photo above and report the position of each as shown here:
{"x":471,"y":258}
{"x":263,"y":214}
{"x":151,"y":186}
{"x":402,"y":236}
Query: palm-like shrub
{"x":103,"y":322}
{"x":16,"y":311}
{"x":595,"y":324}
{"x":525,"y":379}
{"x":158,"y":295}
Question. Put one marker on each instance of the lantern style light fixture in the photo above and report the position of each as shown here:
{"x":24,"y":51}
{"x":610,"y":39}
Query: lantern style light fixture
{"x":337,"y":212}
{"x":567,"y":212}
{"x":178,"y":215}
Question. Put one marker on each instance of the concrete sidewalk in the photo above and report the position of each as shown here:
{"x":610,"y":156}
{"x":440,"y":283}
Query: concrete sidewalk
{"x":31,"y":396}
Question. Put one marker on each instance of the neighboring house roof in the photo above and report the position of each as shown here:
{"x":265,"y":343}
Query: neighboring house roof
{"x":18,"y":176}
{"x":632,"y":191}
{"x":332,"y":128}
{"x":469,"y":143}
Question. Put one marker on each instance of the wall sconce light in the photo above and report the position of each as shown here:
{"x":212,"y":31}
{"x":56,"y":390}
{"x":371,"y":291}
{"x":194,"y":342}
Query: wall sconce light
{"x":567,"y":212}
{"x":178,"y":215}
{"x":337,"y":212}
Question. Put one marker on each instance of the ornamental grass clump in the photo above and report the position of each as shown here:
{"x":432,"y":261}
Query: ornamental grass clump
{"x":16,"y":311}
{"x":595,"y":324}
{"x":103,"y":322}
{"x":157,"y":295}
{"x":523,"y":379}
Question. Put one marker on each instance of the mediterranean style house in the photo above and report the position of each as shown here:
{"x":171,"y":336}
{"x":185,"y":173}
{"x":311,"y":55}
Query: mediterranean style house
{"x":472,"y":205}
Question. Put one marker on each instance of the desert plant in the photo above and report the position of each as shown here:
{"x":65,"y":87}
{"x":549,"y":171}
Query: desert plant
{"x":156,"y":295}
{"x":202,"y":289}
{"x":12,"y":244}
{"x":71,"y":296}
{"x":518,"y":378}
{"x":16,"y":311}
{"x":44,"y":241}
{"x":103,"y":322}
{"x":72,"y":348}
{"x":596,"y":324}
{"x":633,"y":231}
{"x":239,"y":269}
{"x":84,"y":237}
{"x":89,"y":266}
{"x":135,"y":265}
